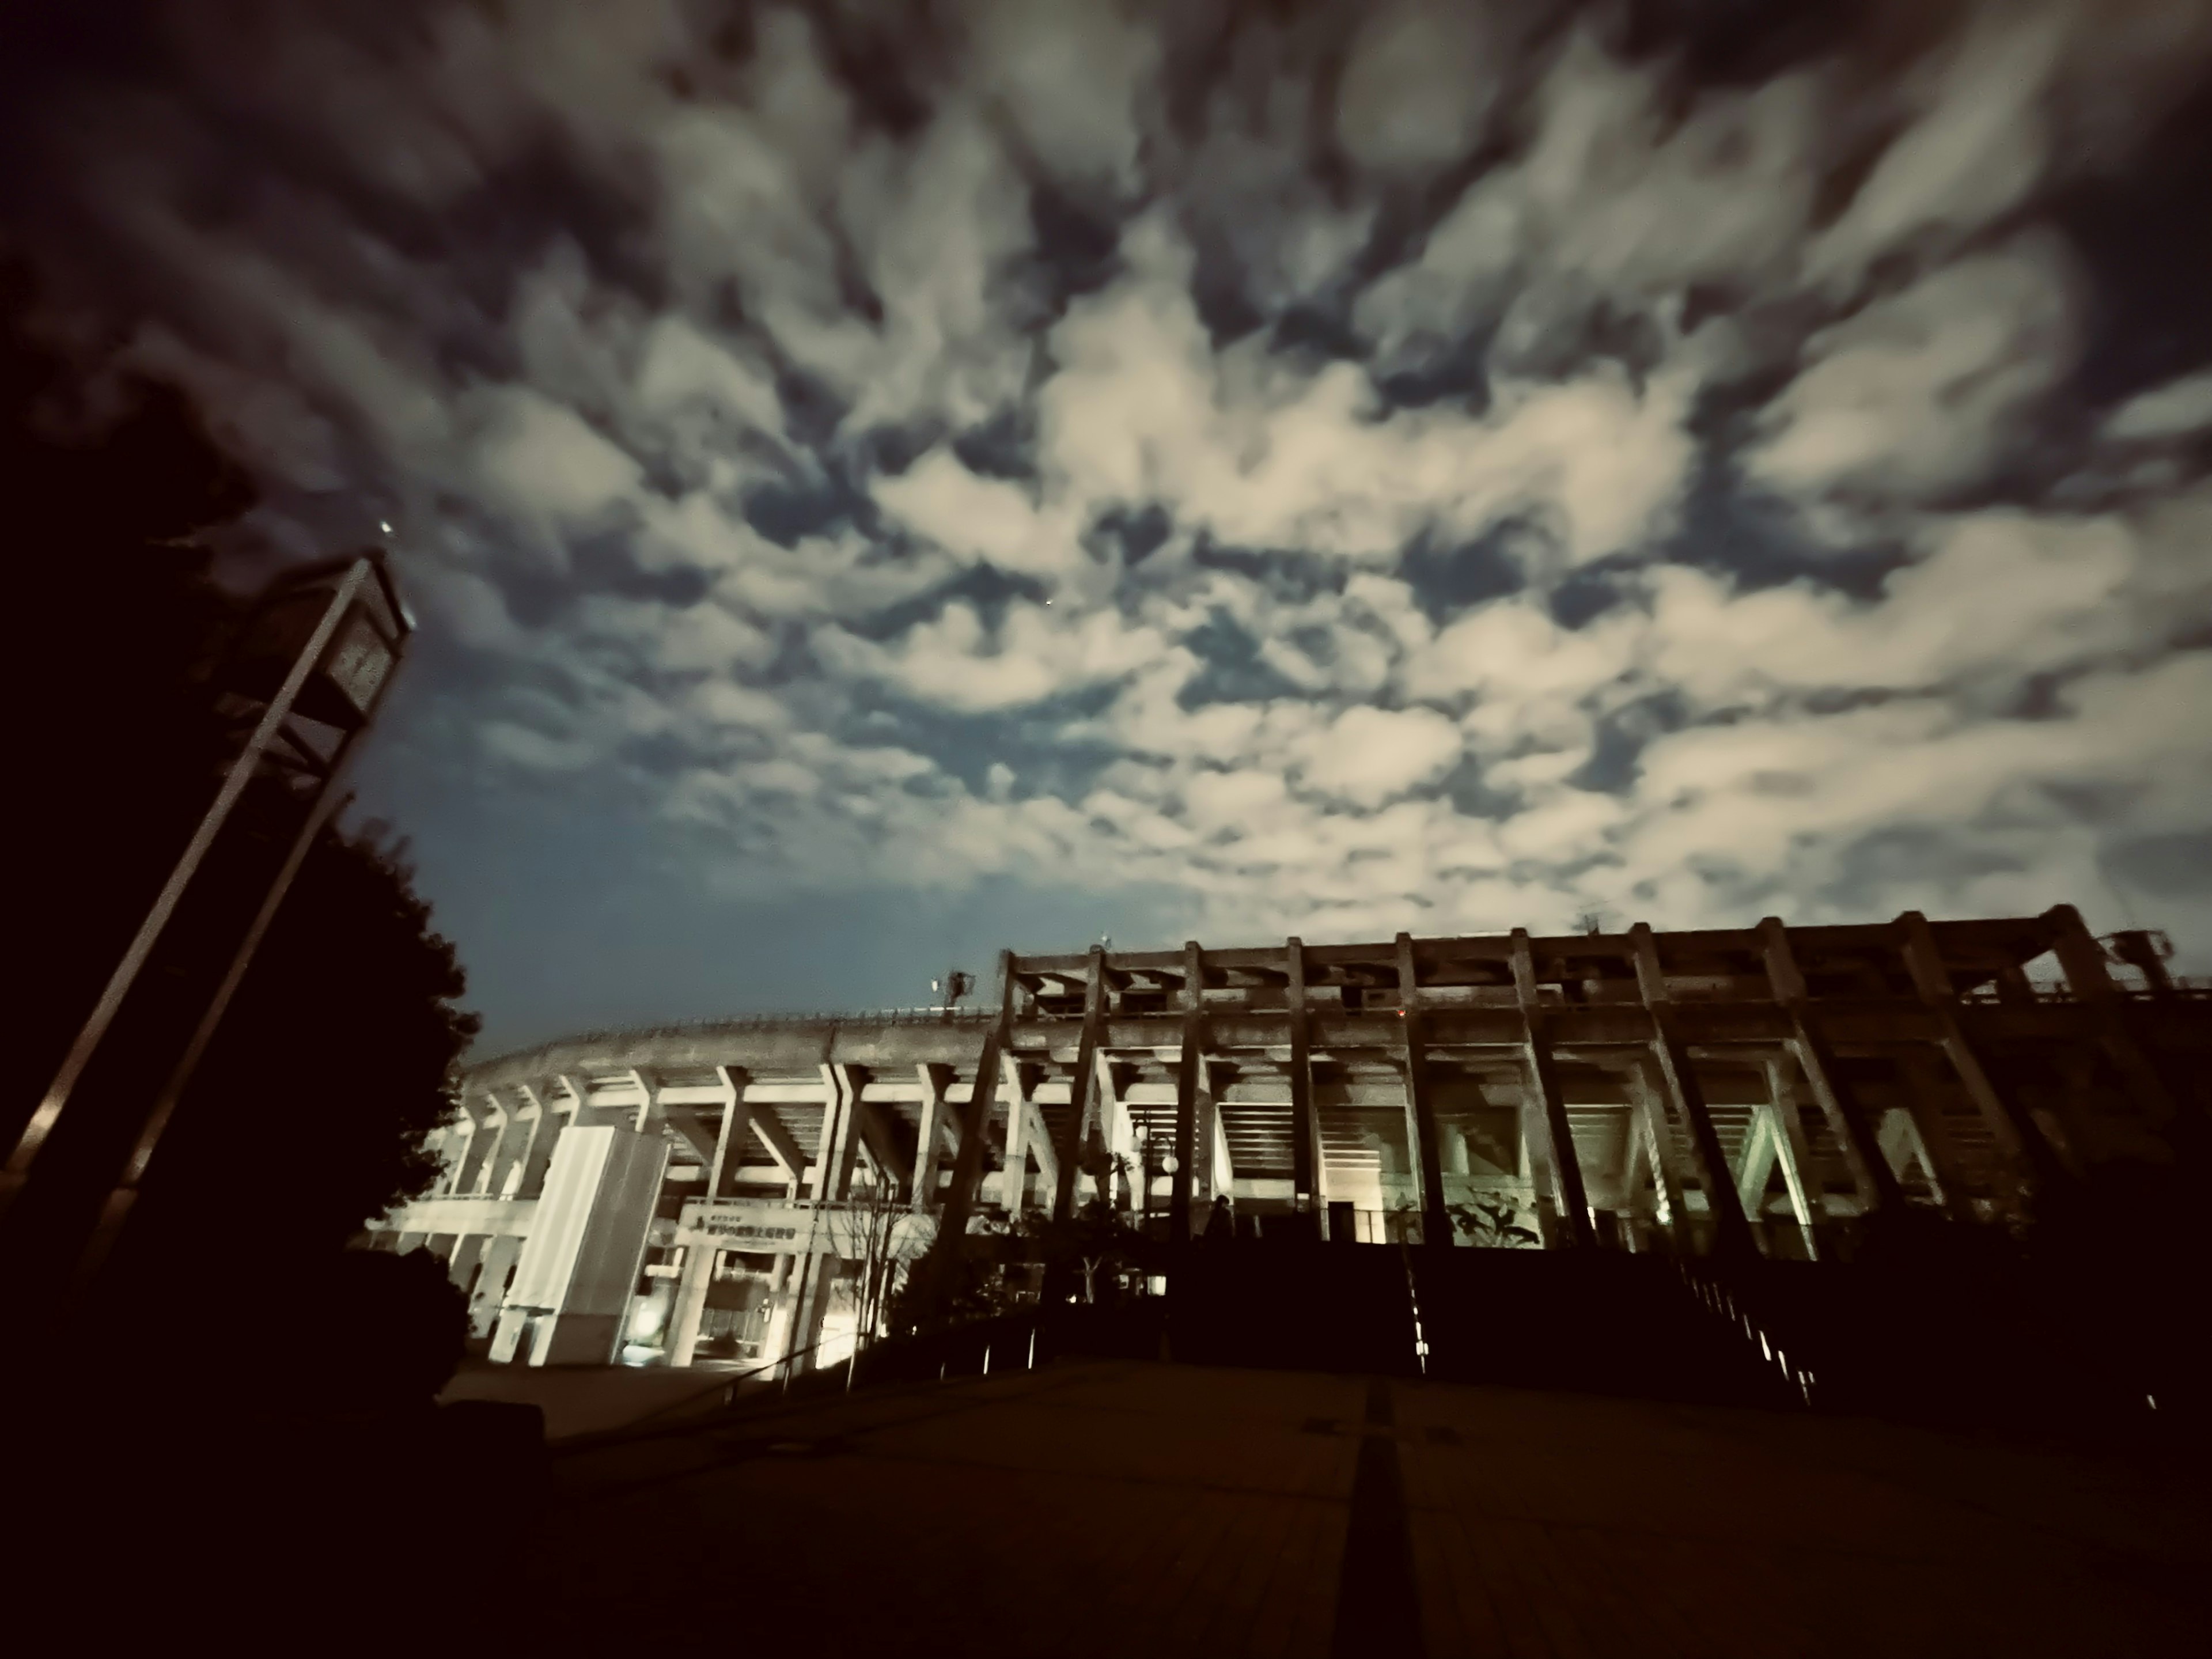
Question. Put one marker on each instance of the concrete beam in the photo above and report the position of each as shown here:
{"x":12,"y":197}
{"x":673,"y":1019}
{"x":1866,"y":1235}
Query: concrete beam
{"x":782,"y":1146}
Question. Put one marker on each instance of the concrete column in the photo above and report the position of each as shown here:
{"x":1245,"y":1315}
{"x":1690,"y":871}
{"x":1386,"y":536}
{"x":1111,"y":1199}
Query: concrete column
{"x":469,"y":1141}
{"x":1922,"y":1073}
{"x":968,"y":1163}
{"x":691,"y":1288}
{"x":1536,"y":1167}
{"x":1565,"y":1166}
{"x":1652,"y":1121}
{"x":1793,"y":1149}
{"x":1083,"y":1087}
{"x":841,"y":1133}
{"x":815,"y":1273}
{"x":1221,"y":1168}
{"x":1309,"y":1167}
{"x":500,"y":1255}
{"x":1420,"y":1110}
{"x":492,"y":1140}
{"x":935,"y":1128}
{"x":1870,"y":1172}
{"x":1190,"y":1081}
{"x":1732,"y":1233}
{"x":545,"y":1130}
{"x":2091,"y":983}
{"x":735,"y":1131}
{"x":2019,"y":1143}
{"x":1013,"y":1174}
{"x":468,"y":1250}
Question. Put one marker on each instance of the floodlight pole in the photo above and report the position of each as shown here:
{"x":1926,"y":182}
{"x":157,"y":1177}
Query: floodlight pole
{"x":339,"y":631}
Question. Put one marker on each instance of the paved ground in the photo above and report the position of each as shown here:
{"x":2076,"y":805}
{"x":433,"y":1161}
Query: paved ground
{"x":1113,"y":1509}
{"x":580,"y":1399}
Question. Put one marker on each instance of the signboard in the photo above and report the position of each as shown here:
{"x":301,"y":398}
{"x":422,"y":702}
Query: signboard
{"x":839,"y":1229}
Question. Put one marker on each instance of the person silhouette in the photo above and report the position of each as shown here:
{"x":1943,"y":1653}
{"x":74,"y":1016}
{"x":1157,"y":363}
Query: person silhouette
{"x":1221,"y":1224}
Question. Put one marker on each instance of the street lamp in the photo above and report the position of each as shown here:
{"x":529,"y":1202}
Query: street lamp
{"x":304,"y":678}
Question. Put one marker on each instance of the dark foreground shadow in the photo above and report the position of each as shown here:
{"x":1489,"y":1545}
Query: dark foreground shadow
{"x":308,"y":1494}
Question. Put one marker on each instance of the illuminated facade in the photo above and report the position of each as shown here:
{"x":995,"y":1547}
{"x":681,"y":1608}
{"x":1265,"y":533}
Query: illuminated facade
{"x":710,"y":1192}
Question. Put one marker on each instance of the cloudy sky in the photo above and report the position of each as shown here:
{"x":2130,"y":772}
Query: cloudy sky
{"x":881,"y":482}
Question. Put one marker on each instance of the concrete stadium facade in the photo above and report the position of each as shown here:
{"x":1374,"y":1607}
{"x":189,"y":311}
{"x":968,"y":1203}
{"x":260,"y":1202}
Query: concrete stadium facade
{"x":706,"y":1193}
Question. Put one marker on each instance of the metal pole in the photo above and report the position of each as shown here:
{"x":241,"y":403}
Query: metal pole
{"x":36,"y":1131}
{"x":328,"y":803}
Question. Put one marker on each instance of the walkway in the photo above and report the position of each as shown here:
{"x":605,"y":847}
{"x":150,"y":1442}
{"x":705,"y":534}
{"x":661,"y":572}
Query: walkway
{"x":1111,"y":1509}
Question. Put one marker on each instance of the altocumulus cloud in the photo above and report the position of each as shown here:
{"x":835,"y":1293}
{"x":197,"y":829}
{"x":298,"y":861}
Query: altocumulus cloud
{"x":1442,"y":465}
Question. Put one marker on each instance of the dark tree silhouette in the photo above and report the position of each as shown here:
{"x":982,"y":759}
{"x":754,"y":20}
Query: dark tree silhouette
{"x":331,"y":1064}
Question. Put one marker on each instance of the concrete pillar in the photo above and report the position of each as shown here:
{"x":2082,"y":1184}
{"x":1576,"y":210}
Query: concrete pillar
{"x":698,"y":1274}
{"x":1420,"y":1109}
{"x":1083,"y":1088}
{"x":1565,"y":1166}
{"x":1793,"y":1148}
{"x":1536,"y":1168}
{"x":500,"y":1255}
{"x":2091,"y":983}
{"x":1190,"y":1083}
{"x":1013,"y":1174}
{"x":1650,"y":1110}
{"x":815,"y":1275}
{"x":841,"y":1134}
{"x":468,"y":1252}
{"x":1922,"y":1072}
{"x":2019,"y":1144}
{"x":1309,"y":1168}
{"x":545,"y":1130}
{"x":1855,"y":1135}
{"x":933,"y":1130}
{"x":1732,"y":1234}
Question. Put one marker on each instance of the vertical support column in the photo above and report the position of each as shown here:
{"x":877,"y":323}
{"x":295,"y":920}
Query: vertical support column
{"x":932,"y":1128}
{"x":1536,"y":1166}
{"x":1732,"y":1233}
{"x":1794,"y":1148}
{"x":2019,"y":1143}
{"x":648,"y":1111}
{"x":968,"y":1162}
{"x":1083,"y":1087}
{"x":1189,"y":1079}
{"x":1014,"y":1172}
{"x":1420,"y":1107}
{"x":2091,"y":982}
{"x":736,"y":1130}
{"x":1870,"y":1172}
{"x":1309,"y":1166}
{"x":1221,"y":1169}
{"x":841,"y":1134}
{"x":816,"y":1272}
{"x":1544,"y":1082}
{"x":461,"y":1169}
{"x":1659,"y":1138}
{"x":691,"y":1286}
{"x":1921,"y":1072}
{"x":543,"y":1135}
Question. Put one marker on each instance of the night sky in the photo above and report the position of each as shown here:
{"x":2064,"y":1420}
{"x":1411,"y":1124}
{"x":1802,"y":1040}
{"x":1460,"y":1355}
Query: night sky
{"x":882,"y":482}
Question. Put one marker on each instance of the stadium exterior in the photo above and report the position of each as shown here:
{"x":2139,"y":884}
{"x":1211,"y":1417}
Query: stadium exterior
{"x":707,"y":1194}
